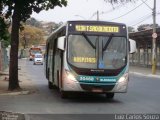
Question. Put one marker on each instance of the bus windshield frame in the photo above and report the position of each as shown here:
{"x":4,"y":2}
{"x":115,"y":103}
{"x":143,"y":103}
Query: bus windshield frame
{"x":84,"y":64}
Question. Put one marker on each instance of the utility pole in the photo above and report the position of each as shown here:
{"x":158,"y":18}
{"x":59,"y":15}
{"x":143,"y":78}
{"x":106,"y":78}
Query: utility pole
{"x":154,"y":35}
{"x":97,"y":15}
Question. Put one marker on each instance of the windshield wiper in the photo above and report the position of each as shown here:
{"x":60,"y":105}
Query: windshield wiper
{"x":88,"y":40}
{"x":107,"y":43}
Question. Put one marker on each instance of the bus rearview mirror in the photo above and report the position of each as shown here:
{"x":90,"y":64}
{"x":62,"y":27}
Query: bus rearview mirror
{"x":132,"y":46}
{"x":61,"y":43}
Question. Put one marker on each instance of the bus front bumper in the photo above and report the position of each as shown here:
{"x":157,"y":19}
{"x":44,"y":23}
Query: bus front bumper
{"x":74,"y":85}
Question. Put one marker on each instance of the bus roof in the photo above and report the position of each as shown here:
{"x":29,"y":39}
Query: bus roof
{"x":93,"y":22}
{"x":87,"y":22}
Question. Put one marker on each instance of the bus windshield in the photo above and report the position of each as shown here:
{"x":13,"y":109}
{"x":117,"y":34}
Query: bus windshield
{"x":97,"y":52}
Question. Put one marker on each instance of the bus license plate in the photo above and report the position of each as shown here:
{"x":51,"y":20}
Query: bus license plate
{"x":97,"y":90}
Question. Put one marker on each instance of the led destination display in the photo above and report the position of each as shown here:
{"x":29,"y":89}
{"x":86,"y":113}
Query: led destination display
{"x":94,"y":28}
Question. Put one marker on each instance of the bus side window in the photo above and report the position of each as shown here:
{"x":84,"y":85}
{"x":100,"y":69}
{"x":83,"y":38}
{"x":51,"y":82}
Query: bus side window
{"x":61,"y":43}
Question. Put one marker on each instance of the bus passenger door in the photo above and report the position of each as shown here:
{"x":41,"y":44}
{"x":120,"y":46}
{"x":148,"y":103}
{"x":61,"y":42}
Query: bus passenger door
{"x":57,"y":68}
{"x":50,"y":64}
{"x":58,"y":60}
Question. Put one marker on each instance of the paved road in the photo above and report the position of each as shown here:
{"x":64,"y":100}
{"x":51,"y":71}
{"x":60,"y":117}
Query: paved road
{"x":143,"y":96}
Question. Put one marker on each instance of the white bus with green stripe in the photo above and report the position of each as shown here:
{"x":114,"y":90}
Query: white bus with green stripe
{"x":89,"y":56}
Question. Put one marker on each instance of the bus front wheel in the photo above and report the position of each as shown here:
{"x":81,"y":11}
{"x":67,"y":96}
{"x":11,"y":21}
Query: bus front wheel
{"x":110,"y":95}
{"x":64,"y":94}
{"x":50,"y":85}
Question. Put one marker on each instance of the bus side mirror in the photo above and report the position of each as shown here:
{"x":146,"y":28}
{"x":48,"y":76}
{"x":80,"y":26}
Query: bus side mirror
{"x":132,"y":46}
{"x":61,"y":43}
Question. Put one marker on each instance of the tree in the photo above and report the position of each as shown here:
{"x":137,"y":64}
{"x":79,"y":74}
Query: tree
{"x":31,"y":36}
{"x":146,"y":27}
{"x":33,"y":22}
{"x":20,"y":10}
{"x":47,"y":27}
{"x":131,"y":29}
{"x":4,"y":34}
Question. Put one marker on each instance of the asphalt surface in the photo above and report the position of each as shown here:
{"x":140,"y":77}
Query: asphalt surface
{"x":143,"y":96}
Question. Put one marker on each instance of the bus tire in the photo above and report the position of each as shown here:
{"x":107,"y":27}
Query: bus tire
{"x":50,"y":85}
{"x":109,"y":95}
{"x":64,"y":94}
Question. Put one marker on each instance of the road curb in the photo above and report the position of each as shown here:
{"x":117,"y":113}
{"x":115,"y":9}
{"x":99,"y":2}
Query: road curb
{"x":147,"y":75}
{"x":24,"y":92}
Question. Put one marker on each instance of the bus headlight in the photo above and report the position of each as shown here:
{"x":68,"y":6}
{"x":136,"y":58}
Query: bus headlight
{"x":124,"y":78}
{"x":122,"y":83}
{"x":70,"y":76}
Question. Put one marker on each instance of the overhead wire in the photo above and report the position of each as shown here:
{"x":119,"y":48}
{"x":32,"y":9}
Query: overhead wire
{"x":146,"y":4}
{"x":105,"y":12}
{"x":146,"y":18}
{"x":140,"y":18}
{"x":128,"y":12}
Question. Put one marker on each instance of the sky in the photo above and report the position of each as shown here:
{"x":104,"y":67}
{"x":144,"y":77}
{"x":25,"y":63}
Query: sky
{"x":132,"y":14}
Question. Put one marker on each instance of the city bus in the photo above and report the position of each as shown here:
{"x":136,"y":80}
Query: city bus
{"x":88,"y":56}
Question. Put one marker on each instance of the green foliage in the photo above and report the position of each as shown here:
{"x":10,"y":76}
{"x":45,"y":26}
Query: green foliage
{"x":26,"y":7}
{"x":4,"y":34}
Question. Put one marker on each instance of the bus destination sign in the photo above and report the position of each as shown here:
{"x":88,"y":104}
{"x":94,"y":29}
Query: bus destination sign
{"x":97,"y":28}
